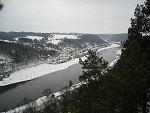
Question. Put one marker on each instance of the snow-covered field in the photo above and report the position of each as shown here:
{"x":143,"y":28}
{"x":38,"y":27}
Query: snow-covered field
{"x":35,"y":72}
{"x":34,"y":37}
{"x":58,"y":38}
{"x":41,"y":100}
{"x":5,"y":40}
{"x":41,"y":70}
{"x":55,"y":41}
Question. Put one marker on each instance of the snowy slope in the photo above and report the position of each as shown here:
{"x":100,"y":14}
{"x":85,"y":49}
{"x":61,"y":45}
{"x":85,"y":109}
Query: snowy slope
{"x":42,"y":69}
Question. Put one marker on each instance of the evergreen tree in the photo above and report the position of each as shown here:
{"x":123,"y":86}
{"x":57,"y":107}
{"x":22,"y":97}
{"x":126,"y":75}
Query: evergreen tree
{"x":85,"y":99}
{"x":93,"y":67}
{"x":133,"y":68}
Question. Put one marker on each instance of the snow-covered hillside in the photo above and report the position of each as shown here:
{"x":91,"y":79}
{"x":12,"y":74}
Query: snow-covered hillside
{"x":42,"y":69}
{"x":31,"y":37}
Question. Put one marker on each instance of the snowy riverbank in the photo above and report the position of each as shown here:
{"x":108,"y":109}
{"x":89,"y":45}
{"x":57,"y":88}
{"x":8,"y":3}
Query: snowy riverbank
{"x":39,"y":102}
{"x":118,"y":53}
{"x":42,"y":69}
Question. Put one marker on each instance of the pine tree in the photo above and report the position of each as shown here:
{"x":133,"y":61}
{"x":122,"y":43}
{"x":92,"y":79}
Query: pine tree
{"x":134,"y":63}
{"x":93,"y":67}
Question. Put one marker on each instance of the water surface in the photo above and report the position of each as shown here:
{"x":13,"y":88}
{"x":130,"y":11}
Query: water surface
{"x":33,"y":89}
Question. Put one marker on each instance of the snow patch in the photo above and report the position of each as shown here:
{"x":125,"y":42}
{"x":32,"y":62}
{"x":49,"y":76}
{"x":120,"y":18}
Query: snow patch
{"x":56,"y":39}
{"x":59,"y":37}
{"x":34,"y":37}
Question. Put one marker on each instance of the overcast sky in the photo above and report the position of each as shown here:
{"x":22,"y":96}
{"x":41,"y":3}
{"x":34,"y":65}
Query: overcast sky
{"x":87,"y":16}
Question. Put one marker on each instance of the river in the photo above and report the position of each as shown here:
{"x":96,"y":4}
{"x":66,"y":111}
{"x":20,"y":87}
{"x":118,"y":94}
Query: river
{"x":13,"y":95}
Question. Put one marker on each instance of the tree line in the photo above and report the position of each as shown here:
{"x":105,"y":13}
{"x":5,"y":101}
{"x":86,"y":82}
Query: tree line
{"x":21,"y":53}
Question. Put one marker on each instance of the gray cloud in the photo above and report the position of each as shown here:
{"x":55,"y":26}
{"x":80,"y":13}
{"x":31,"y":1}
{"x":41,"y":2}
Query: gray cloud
{"x":92,"y":16}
